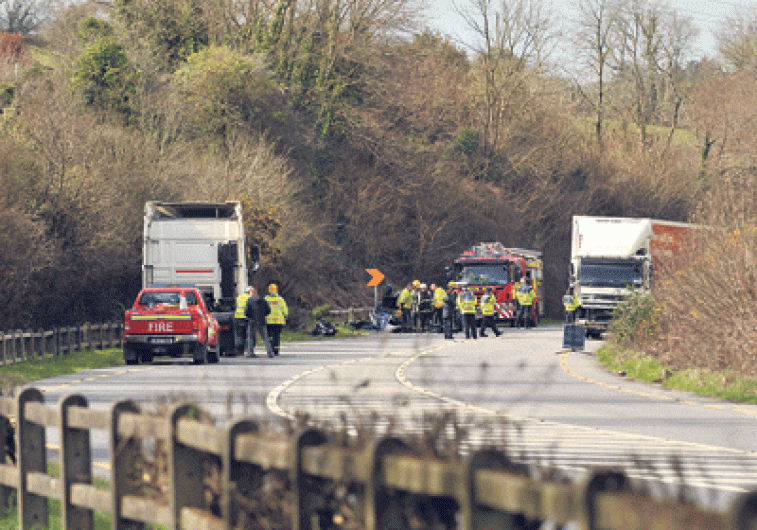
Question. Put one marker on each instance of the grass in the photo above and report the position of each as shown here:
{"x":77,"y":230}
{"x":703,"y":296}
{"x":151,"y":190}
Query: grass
{"x":41,"y":368}
{"x":726,"y":384}
{"x":21,"y":373}
{"x":102,"y":521}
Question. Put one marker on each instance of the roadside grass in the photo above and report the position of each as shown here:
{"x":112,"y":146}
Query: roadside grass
{"x":17,"y":374}
{"x":43,"y":367}
{"x":102,"y":521}
{"x":726,"y":384}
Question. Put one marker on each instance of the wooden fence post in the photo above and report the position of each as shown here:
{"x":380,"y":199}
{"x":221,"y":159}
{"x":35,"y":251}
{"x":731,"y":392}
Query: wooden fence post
{"x":32,"y":457}
{"x":236,"y":477}
{"x":21,"y":353}
{"x":380,"y":509}
{"x":307,"y":500}
{"x":126,"y":474}
{"x":475,"y":517}
{"x":75,"y":465}
{"x":185,"y":468}
{"x":7,"y":435}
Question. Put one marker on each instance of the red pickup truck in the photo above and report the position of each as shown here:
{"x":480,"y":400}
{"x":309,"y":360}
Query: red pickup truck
{"x":171,"y":321}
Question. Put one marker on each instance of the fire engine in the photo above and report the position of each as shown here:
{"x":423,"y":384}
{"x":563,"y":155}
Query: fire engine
{"x":501,"y":268}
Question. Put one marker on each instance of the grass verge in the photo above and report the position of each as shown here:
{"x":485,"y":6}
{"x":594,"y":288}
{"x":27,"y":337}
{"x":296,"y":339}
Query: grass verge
{"x":725,"y":384}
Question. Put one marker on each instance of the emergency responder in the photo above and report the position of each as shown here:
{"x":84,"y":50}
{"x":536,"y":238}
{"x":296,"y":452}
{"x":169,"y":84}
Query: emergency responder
{"x":256,"y":310}
{"x":571,"y":303}
{"x":467,"y":305}
{"x":240,"y":322}
{"x":488,"y":309}
{"x":404,"y":304}
{"x":425,"y":307}
{"x":276,"y":318}
{"x":526,"y":296}
{"x":450,"y":308}
{"x":437,"y":296}
{"x":414,"y":300}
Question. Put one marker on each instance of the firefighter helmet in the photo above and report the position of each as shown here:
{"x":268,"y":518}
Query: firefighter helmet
{"x":273,"y":288}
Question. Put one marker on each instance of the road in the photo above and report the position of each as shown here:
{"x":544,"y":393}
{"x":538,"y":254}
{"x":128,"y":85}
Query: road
{"x":520,"y":392}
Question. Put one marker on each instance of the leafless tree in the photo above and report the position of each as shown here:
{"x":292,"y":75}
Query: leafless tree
{"x":737,"y":39}
{"x":22,"y":16}
{"x":595,"y":35}
{"x":513,"y":38}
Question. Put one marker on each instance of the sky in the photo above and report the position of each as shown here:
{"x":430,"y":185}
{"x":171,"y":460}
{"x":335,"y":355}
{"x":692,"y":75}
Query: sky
{"x":706,"y":15}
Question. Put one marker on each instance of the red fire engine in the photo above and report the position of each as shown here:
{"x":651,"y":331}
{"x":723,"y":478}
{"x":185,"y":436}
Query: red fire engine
{"x":501,"y":268}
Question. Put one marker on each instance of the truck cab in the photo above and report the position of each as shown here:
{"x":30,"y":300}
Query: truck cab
{"x":200,"y":244}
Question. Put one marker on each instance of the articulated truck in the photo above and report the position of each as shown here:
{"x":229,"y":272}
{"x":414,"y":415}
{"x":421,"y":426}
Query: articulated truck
{"x":202,"y":245}
{"x":610,"y":256}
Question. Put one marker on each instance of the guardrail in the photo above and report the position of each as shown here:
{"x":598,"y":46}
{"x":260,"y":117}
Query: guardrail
{"x":19,"y":345}
{"x":207,"y":477}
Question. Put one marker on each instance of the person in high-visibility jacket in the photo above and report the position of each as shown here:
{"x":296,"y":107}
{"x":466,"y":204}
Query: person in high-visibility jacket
{"x":404,"y":303}
{"x":488,"y":308}
{"x":570,"y":302}
{"x":437,"y":295}
{"x":276,"y":319}
{"x":240,"y":322}
{"x":525,"y":297}
{"x":467,"y":305}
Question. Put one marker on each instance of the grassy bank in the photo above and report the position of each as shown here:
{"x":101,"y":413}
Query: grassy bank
{"x":725,"y":384}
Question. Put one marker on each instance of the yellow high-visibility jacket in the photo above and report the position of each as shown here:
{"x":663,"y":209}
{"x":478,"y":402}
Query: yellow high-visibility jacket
{"x":279,"y":310}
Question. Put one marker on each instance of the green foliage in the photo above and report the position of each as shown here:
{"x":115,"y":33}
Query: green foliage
{"x":322,"y":311}
{"x":106,"y":79}
{"x":34,"y":369}
{"x":223,"y":88}
{"x":93,"y":29}
{"x":468,"y":142}
{"x":7,"y":93}
{"x":176,"y":28}
{"x":635,"y":320}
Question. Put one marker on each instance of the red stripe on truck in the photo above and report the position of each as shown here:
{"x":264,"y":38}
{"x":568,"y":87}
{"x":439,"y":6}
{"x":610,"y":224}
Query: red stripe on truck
{"x":195,"y":271}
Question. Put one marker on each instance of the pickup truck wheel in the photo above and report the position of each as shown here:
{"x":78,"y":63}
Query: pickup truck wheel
{"x":130,"y":355}
{"x":213,"y":355}
{"x":200,"y":354}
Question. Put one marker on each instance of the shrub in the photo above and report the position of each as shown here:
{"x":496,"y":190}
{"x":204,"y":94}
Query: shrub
{"x":636,"y":320}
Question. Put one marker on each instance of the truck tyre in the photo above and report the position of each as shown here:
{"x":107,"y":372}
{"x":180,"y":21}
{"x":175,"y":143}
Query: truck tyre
{"x":130,"y":355}
{"x":200,"y":354}
{"x":146,"y":356}
{"x":213,"y":355}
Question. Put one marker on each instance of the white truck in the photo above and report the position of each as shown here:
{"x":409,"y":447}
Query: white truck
{"x":202,"y":245}
{"x":612,"y":255}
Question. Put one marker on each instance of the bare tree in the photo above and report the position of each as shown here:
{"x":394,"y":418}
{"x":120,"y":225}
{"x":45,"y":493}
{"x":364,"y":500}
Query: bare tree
{"x":513,"y":37}
{"x":594,"y":39}
{"x":21,"y":16}
{"x":737,"y":39}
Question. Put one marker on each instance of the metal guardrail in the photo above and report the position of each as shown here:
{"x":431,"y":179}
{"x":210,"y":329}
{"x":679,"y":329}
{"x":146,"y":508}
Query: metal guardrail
{"x":19,"y":345}
{"x":217,"y":478}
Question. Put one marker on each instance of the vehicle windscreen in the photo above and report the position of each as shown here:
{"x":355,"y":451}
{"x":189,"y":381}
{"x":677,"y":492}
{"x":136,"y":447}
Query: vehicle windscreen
{"x":166,"y":297}
{"x":484,"y":274}
{"x":616,"y":274}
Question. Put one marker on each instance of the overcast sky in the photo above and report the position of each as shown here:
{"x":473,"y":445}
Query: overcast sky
{"x":706,"y":15}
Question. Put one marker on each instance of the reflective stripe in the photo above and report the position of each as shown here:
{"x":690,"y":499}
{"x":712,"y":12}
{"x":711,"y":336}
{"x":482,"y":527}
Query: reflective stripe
{"x":161,"y":317}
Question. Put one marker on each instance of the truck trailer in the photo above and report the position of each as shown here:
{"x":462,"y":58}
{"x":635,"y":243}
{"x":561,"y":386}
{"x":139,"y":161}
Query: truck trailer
{"x":201,"y":244}
{"x":611,"y":256}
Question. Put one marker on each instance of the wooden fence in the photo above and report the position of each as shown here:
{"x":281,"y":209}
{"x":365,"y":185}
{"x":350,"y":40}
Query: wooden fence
{"x":220,"y":478}
{"x":17,"y":346}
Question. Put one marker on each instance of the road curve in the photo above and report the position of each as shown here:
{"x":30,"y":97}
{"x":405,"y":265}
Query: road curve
{"x":520,"y":392}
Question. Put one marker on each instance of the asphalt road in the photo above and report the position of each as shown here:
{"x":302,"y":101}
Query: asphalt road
{"x":520,"y":392}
